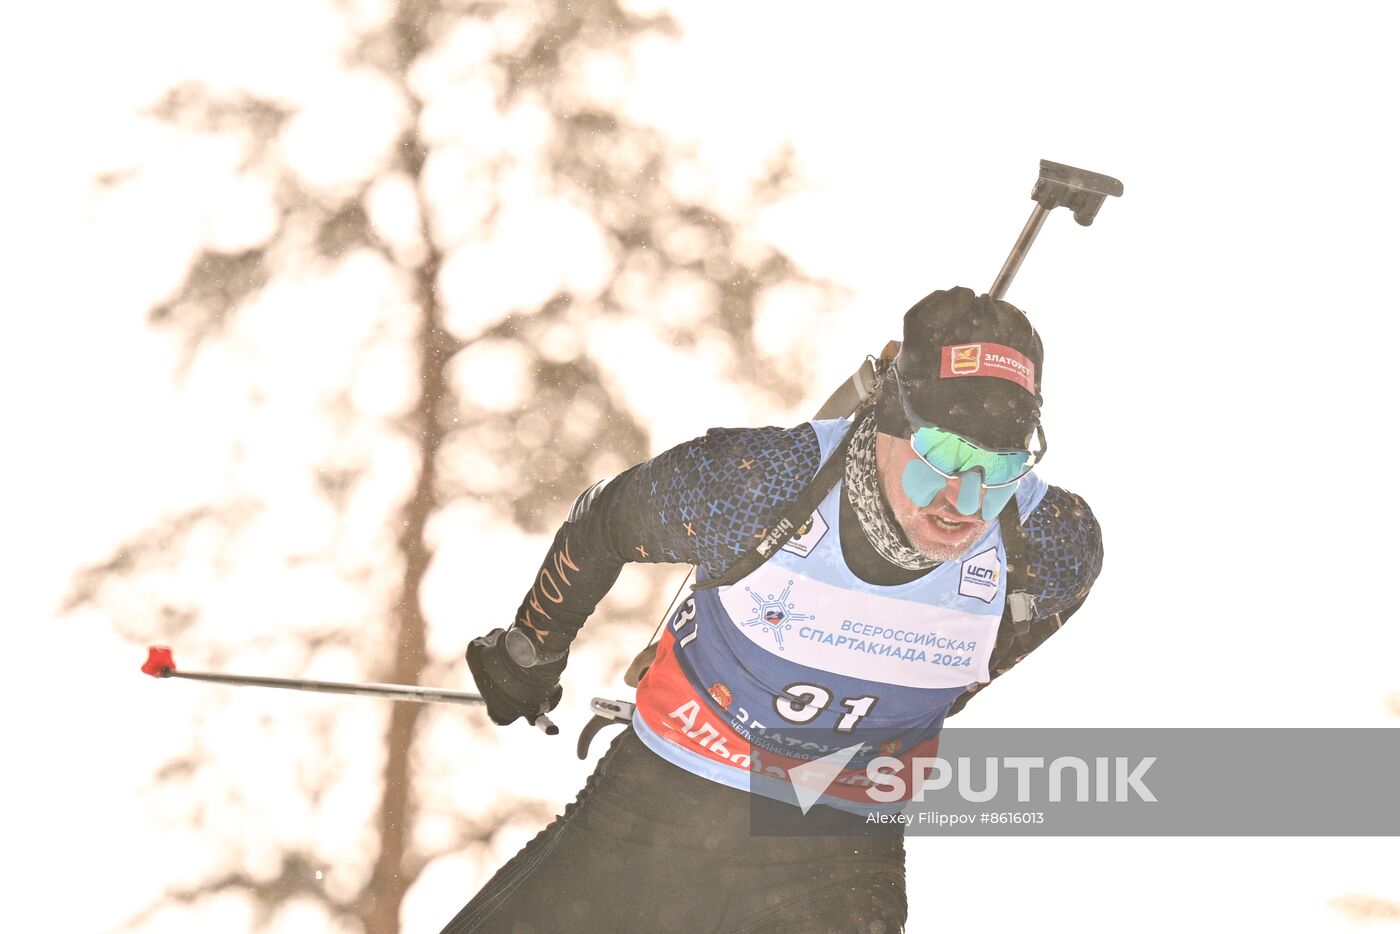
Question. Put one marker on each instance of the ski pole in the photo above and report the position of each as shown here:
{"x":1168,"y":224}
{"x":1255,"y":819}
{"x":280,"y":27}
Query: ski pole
{"x":160,"y":663}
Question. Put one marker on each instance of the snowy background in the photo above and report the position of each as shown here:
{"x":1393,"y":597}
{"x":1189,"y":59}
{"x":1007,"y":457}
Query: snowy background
{"x":1218,"y":385}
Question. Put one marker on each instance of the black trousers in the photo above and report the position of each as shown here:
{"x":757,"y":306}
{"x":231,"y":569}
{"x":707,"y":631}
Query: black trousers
{"x":649,"y":847}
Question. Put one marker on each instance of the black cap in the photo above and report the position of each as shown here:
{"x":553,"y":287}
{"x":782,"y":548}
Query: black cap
{"x":970,"y":364}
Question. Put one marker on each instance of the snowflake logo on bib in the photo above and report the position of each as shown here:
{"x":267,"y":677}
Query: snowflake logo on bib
{"x":775,"y":614}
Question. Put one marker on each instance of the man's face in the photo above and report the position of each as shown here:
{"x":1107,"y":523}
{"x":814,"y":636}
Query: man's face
{"x":937,"y":530}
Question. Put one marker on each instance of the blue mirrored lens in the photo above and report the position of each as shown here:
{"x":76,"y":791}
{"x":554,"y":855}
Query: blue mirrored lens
{"x":953,"y":455}
{"x":995,"y":500}
{"x":969,"y":494}
{"x":921,"y":484}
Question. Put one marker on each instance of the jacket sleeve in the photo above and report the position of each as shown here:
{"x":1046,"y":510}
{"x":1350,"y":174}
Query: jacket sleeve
{"x":1064,"y":554}
{"x":705,"y":502}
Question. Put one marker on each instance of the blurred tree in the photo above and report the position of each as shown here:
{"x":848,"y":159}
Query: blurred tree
{"x":1362,"y":909}
{"x":423,"y":312}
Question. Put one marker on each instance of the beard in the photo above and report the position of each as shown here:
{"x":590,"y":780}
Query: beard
{"x":939,"y":533}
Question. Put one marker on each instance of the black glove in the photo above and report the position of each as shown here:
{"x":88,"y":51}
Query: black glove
{"x":510,"y":691}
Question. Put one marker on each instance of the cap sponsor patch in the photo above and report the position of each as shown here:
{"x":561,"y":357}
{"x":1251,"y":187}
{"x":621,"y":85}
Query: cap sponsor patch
{"x":963,"y":359}
{"x":988,"y":359}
